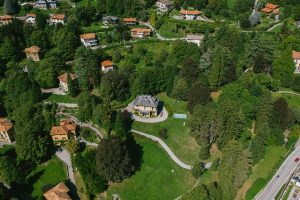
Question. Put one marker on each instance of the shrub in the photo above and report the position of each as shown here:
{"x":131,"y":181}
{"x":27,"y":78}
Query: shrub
{"x":198,"y":170}
{"x":163,"y":133}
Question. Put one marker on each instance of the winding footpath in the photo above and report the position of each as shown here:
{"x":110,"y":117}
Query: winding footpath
{"x":165,"y":147}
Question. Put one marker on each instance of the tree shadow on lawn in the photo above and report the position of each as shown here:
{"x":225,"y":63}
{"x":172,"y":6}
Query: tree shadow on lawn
{"x":136,"y":152}
{"x":24,"y":191}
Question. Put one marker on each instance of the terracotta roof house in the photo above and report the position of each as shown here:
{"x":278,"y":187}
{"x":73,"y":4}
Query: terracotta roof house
{"x":6,"y":130}
{"x":57,"y":18}
{"x":64,"y":131}
{"x":194,"y":39}
{"x":271,"y":8}
{"x":89,"y":40}
{"x":58,"y":192}
{"x":107,"y":65}
{"x":146,"y":106}
{"x":190,"y":14}
{"x":32,"y":53}
{"x":63,"y":81}
{"x":163,"y":6}
{"x":5,"y":19}
{"x":296,"y":58}
{"x":140,"y":32}
{"x":110,"y":20}
{"x":30,"y":18}
{"x":130,"y":21}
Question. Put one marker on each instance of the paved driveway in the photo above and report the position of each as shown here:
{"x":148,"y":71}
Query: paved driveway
{"x":65,"y":156}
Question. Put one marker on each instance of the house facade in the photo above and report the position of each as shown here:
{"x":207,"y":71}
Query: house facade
{"x":140,"y":32}
{"x":89,"y":40}
{"x":45,"y":4}
{"x":30,"y":18}
{"x":32,"y":53}
{"x":194,"y":39}
{"x":63,"y":81}
{"x":130,"y":21}
{"x":6,"y":131}
{"x":110,"y":20}
{"x":296,"y":58}
{"x":106,"y":66}
{"x":58,"y":192}
{"x":64,"y":132}
{"x":271,"y":8}
{"x":146,"y":106}
{"x":163,"y":6}
{"x":190,"y":14}
{"x":5,"y":19}
{"x":57,"y":18}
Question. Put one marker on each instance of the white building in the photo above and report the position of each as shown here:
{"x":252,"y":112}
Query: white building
{"x":57,"y":18}
{"x":194,"y":39}
{"x":296,"y":57}
{"x":63,"y":81}
{"x":89,"y":40}
{"x":45,"y":4}
{"x":30,"y":18}
{"x":107,"y":66}
{"x":163,"y":6}
{"x":190,"y":14}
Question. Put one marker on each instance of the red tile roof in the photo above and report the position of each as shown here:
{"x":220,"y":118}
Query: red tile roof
{"x":5,"y":124}
{"x":190,"y":12}
{"x":129,"y":20}
{"x":64,"y":77}
{"x":6,"y":17}
{"x":88,"y":36}
{"x":106,"y":63}
{"x":65,"y":126}
{"x":296,"y":55}
{"x":141,"y":30}
{"x":33,"y":49}
{"x":269,"y":7}
{"x":58,"y":16}
{"x":59,"y":192}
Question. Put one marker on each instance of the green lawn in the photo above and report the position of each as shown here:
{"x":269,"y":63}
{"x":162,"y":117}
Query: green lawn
{"x":89,"y":135}
{"x":159,"y":177}
{"x":263,"y":170}
{"x":168,"y":30}
{"x":179,"y":138}
{"x":51,"y":172}
{"x":54,"y":98}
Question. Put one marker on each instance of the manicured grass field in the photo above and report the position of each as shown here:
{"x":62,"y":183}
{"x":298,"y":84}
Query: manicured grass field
{"x":54,"y":98}
{"x":179,"y":138}
{"x":262,"y":171}
{"x":159,"y":177}
{"x":51,"y":172}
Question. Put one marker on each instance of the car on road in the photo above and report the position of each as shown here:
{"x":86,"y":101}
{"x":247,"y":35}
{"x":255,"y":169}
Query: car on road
{"x":297,"y":159}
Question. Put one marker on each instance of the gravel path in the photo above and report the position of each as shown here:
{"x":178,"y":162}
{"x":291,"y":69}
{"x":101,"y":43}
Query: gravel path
{"x":165,"y":147}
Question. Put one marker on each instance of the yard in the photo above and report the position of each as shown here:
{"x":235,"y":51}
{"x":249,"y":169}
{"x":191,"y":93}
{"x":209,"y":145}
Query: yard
{"x":158,"y":178}
{"x":54,"y":98}
{"x":49,"y":173}
{"x":179,"y":139}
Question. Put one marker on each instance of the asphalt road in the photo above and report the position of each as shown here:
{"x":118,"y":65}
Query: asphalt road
{"x":285,"y":172}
